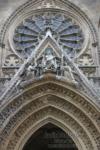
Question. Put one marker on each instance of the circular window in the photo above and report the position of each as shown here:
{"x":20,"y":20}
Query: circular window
{"x":64,"y":30}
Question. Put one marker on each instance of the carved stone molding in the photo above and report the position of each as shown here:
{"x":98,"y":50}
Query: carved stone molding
{"x":52,"y":120}
{"x":31,"y":7}
{"x":63,"y":5}
{"x":49,"y":111}
{"x":36,"y":7}
{"x":42,"y":96}
{"x":48,"y":99}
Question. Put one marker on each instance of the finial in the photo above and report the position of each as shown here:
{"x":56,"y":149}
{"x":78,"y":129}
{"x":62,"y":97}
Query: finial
{"x":48,"y":33}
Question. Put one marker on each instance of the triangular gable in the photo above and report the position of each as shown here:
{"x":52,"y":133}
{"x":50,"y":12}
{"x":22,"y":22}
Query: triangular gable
{"x":48,"y":42}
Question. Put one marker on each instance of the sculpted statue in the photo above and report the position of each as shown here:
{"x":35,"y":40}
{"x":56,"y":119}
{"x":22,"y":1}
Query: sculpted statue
{"x":35,"y":70}
{"x":68,"y":73}
{"x":49,"y":60}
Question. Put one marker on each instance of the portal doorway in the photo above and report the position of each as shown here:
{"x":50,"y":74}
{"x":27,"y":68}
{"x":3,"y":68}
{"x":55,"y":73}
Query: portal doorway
{"x":50,"y":137}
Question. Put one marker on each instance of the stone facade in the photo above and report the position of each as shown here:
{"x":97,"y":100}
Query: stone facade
{"x":50,"y":70}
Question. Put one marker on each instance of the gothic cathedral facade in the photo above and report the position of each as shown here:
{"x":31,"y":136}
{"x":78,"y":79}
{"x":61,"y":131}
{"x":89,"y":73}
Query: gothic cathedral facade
{"x":50,"y":77}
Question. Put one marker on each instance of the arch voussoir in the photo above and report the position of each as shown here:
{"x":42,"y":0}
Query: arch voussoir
{"x":58,"y":97}
{"x":45,"y":112}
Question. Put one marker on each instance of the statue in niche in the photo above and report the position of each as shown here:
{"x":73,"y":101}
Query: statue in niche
{"x":49,"y":60}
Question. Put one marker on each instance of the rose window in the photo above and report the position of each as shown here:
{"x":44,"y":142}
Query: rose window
{"x":65,"y":31}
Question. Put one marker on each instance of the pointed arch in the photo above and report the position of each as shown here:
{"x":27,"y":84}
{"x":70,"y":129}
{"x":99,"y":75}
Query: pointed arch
{"x":57,"y":114}
{"x":56,"y":122}
{"x":50,"y":99}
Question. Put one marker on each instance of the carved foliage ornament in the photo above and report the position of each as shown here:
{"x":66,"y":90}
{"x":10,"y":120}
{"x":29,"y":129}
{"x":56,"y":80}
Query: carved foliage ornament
{"x":11,"y":61}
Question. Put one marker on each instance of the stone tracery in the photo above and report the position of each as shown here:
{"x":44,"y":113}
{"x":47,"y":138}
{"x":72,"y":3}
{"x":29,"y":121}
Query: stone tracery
{"x":68,"y":104}
{"x":68,"y":35}
{"x":49,"y":100}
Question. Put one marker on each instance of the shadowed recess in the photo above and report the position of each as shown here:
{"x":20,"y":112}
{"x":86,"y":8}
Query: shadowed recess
{"x":50,"y":137}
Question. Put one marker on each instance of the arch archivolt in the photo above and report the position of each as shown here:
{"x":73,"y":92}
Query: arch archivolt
{"x":55,"y":121}
{"x":50,"y":99}
{"x":56,"y":113}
